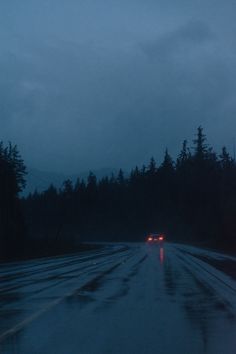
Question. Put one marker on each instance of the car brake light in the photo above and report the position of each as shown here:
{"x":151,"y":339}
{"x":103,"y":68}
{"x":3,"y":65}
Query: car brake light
{"x":161,"y":238}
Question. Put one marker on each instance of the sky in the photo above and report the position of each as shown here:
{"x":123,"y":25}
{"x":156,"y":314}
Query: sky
{"x":88,"y":84}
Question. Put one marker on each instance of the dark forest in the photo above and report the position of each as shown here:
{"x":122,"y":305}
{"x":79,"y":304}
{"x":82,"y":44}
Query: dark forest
{"x":192,"y":200}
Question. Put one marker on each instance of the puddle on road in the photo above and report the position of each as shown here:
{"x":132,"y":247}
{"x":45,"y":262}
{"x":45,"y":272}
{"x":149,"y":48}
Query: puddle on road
{"x":8,"y":319}
{"x":125,"y":287}
{"x":170,"y":280}
{"x":207,"y":296}
{"x":84,"y":294}
{"x":9,"y":297}
{"x":204,"y":309}
{"x":161,"y":255}
{"x":97,"y":282}
{"x":11,"y":344}
{"x":79,"y":298}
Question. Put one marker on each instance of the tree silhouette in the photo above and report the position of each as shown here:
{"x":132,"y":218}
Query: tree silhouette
{"x":192,"y":199}
{"x":201,"y":148}
{"x":12,"y":181}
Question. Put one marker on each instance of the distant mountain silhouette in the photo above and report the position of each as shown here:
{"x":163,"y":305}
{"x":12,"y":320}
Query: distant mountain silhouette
{"x":41,"y":180}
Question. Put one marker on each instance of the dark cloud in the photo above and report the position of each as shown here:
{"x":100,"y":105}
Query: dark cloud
{"x":79,"y":91}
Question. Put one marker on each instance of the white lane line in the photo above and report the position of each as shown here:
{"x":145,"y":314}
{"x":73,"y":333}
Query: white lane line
{"x":36,"y":315}
{"x":28,"y":320}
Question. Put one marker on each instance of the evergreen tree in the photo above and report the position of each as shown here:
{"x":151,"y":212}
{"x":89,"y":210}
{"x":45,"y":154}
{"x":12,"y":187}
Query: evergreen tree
{"x":192,"y":199}
{"x":152,"y":167}
{"x":12,"y":228}
{"x":201,"y":148}
{"x":67,"y":188}
{"x":226,"y":161}
{"x":18,"y":166}
{"x":184,"y":156}
{"x":120,"y":178}
{"x":167,"y":164}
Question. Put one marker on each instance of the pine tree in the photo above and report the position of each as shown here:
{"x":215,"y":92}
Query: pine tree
{"x":152,"y":167}
{"x":201,"y":148}
{"x":167,"y":164}
{"x":226,"y":161}
{"x":120,"y":178}
{"x":12,"y":228}
{"x":67,"y":188}
{"x":13,"y":156}
{"x":184,"y":156}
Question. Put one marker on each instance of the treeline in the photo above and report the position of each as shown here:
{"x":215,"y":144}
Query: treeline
{"x":12,"y":181}
{"x":192,"y":199}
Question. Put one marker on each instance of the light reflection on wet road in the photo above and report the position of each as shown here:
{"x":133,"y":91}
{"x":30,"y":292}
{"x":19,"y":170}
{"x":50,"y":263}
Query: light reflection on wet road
{"x":123,"y":299}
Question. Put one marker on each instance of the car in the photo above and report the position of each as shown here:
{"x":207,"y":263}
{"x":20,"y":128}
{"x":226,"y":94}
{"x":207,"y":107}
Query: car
{"x":156,"y":238}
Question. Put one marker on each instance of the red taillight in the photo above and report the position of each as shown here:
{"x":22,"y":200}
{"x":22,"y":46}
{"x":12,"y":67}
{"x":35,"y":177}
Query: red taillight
{"x":161,"y":238}
{"x":149,"y":239}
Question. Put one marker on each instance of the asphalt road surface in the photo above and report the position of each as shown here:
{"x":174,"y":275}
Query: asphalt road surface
{"x":125,"y":298}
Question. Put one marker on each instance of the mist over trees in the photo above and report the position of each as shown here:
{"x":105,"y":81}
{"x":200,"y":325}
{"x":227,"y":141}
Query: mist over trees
{"x":192,"y":199}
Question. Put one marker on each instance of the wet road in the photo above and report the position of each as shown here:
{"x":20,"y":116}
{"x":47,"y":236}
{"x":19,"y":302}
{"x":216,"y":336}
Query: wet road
{"x":122,"y":299}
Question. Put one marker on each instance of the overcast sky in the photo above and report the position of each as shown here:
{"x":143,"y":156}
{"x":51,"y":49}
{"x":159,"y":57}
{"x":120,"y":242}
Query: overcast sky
{"x":87,"y":84}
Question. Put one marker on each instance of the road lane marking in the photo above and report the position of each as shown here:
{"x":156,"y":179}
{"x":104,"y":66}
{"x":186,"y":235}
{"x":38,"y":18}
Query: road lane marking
{"x":36,"y":315}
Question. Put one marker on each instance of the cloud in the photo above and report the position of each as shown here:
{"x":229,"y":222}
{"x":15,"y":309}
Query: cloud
{"x":87,"y":94}
{"x":186,"y":37}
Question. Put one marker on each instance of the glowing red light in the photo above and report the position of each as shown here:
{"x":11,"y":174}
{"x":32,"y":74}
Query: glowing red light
{"x":161,"y":255}
{"x":149,"y":238}
{"x":161,"y":238}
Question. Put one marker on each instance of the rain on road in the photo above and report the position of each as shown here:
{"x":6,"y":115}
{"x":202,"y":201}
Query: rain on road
{"x":124,"y":298}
